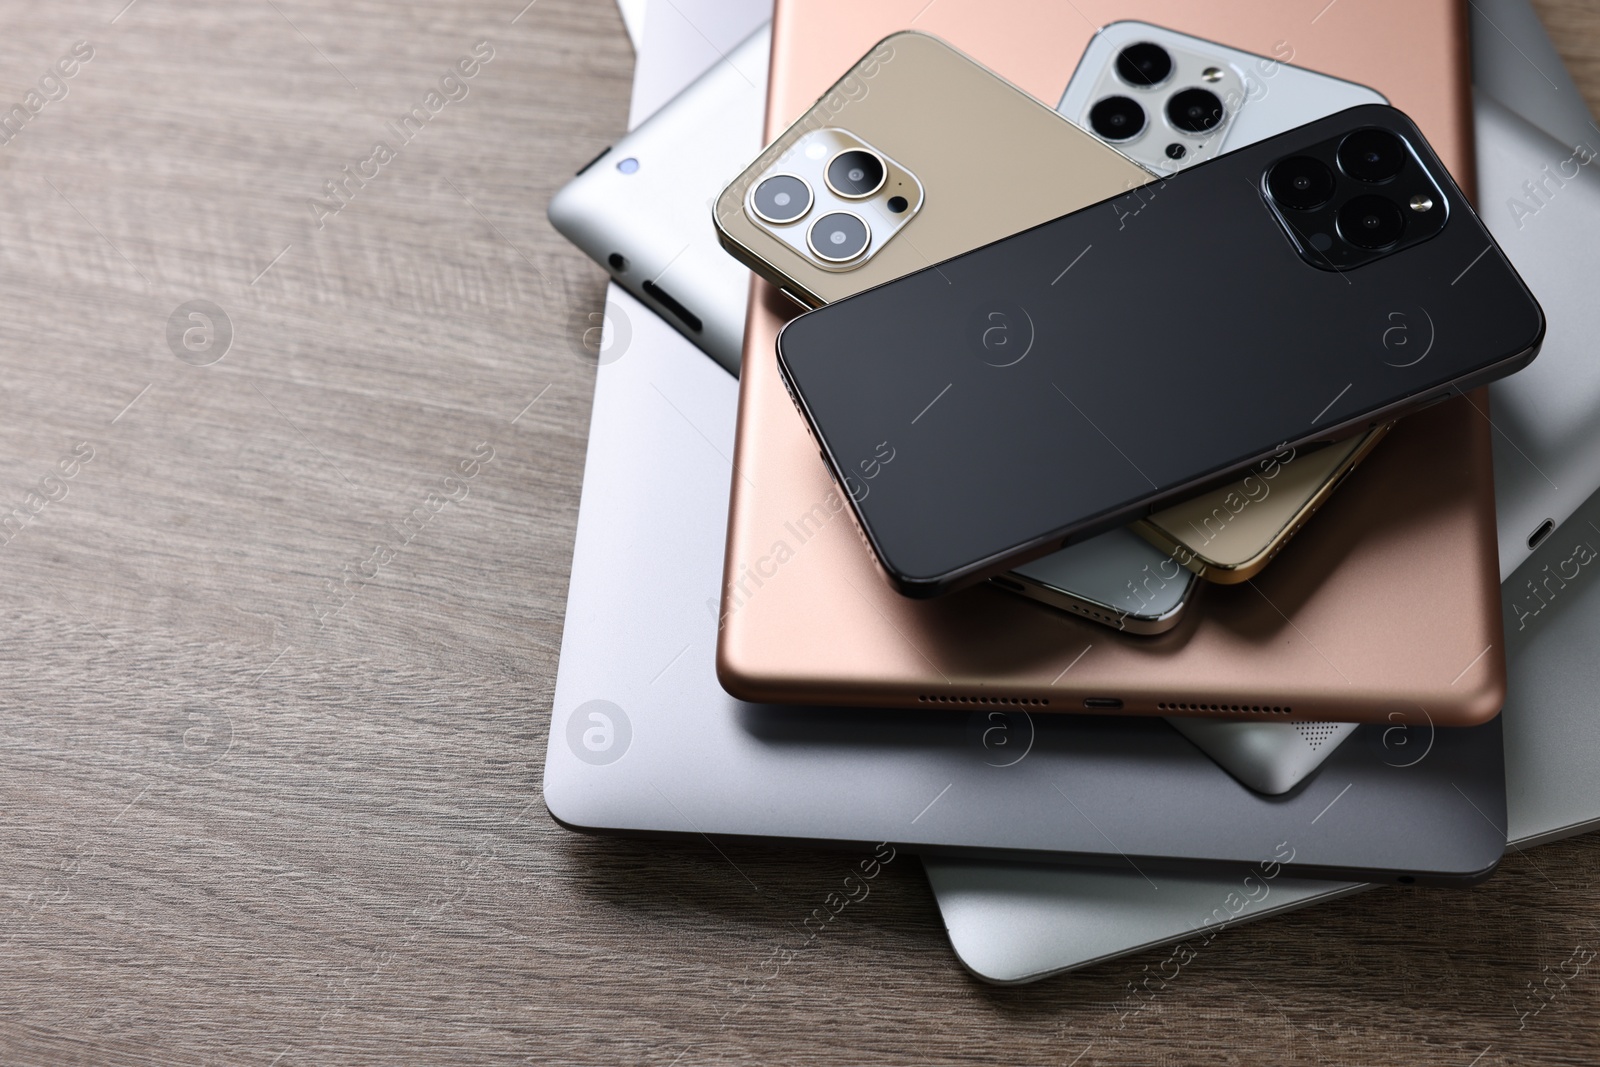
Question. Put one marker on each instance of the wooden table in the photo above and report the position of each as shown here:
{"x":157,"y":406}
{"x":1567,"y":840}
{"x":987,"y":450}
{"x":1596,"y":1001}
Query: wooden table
{"x":278,"y":668}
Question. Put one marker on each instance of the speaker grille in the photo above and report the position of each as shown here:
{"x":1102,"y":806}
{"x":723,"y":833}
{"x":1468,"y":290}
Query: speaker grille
{"x":1087,"y":612}
{"x":1017,"y":702}
{"x":1229,"y":709}
{"x":1316,"y":734}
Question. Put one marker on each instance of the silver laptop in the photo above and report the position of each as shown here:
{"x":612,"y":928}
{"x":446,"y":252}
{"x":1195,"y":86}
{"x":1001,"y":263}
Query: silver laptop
{"x":1015,"y":923}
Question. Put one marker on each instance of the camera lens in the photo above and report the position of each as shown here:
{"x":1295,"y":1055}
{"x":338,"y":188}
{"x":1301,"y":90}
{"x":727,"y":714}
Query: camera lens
{"x":1116,"y":118}
{"x":1300,"y":183}
{"x":782,"y":198}
{"x":839,"y":237}
{"x":1194,"y":110}
{"x":1372,"y":155}
{"x":1144,"y":64}
{"x":1371,"y":222}
{"x":855,"y":173}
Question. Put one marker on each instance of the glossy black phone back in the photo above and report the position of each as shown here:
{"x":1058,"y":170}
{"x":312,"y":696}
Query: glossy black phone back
{"x":1075,"y":376}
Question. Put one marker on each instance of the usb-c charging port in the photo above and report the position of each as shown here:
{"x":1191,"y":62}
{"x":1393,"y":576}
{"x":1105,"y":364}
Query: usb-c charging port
{"x":1536,"y":538}
{"x":1007,"y":583}
{"x":1102,"y":703}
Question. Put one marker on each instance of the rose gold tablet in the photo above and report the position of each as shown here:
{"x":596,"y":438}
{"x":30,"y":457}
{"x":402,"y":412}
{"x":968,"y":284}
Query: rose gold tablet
{"x":1387,"y":603}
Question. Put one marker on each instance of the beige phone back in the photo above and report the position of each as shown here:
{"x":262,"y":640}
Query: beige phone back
{"x":991,"y":161}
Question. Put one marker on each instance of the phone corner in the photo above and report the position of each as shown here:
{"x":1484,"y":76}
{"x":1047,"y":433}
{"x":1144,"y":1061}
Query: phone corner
{"x":1154,"y":626}
{"x":905,"y":36}
{"x":1379,"y":113}
{"x":1541,"y":325}
{"x":780,"y":339}
{"x":1117,"y":27}
{"x":722,"y":208}
{"x":1392,"y":112}
{"x":914,"y":587}
{"x":1236,"y":574}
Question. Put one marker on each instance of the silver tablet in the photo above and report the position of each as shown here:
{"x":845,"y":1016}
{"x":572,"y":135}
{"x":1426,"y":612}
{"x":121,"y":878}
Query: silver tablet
{"x":642,"y":208}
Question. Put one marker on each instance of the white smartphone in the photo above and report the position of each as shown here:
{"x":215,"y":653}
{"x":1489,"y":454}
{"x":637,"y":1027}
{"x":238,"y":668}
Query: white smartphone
{"x":1168,"y":100}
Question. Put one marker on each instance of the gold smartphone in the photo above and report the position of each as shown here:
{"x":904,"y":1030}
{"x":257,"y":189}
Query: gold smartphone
{"x":1229,"y":534}
{"x":911,"y":158}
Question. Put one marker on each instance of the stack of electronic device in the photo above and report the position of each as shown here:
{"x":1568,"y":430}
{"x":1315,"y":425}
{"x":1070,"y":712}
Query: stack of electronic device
{"x":1108,"y":496}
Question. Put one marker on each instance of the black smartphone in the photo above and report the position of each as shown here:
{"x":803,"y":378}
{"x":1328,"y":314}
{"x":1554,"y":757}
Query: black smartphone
{"x":1078,"y":375}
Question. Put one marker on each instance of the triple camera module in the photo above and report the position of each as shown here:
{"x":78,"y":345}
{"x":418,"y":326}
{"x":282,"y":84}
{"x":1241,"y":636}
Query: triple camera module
{"x":835,"y":199}
{"x":1160,"y":107}
{"x":1356,"y":198}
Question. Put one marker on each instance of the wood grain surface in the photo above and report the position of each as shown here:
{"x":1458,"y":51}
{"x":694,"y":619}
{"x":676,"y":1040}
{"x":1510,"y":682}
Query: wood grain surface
{"x":282,"y":617}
